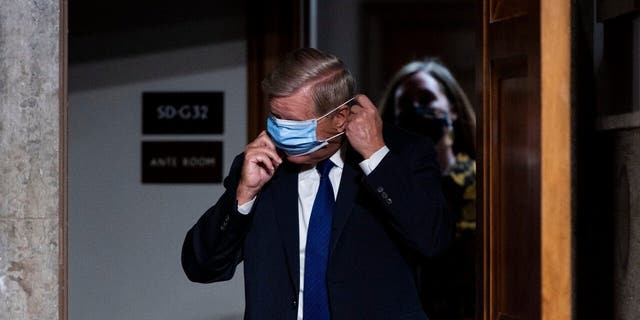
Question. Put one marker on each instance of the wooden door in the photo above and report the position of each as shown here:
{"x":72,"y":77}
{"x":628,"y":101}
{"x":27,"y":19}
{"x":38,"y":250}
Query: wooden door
{"x":274,"y":28}
{"x":525,"y":160}
{"x":395,"y":33}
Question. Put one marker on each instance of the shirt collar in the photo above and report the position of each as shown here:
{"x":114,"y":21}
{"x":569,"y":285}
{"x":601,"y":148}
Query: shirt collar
{"x":336,"y":158}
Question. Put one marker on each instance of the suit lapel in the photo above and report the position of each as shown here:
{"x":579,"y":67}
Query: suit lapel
{"x":351,"y":176}
{"x":284,"y":186}
{"x":285,"y":206}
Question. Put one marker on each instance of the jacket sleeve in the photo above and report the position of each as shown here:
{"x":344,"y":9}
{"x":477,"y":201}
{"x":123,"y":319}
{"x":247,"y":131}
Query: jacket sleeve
{"x":212,"y":248}
{"x":407,"y":184}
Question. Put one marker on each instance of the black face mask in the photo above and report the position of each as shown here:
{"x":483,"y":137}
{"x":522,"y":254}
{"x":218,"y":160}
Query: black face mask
{"x":423,"y":120}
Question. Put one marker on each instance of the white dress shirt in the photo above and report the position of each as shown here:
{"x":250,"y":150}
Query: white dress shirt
{"x":308,"y":183}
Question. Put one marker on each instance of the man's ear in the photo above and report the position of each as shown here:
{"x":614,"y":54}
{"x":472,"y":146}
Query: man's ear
{"x":340,"y":117}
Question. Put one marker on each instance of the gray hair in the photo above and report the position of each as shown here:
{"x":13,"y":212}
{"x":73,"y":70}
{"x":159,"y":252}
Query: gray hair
{"x":330,"y":80}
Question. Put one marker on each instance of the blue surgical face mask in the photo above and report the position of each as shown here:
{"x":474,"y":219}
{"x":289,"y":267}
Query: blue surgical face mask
{"x":298,"y":138}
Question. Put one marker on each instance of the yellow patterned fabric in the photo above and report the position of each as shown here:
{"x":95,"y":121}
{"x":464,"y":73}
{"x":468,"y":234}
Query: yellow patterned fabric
{"x":463,"y":173}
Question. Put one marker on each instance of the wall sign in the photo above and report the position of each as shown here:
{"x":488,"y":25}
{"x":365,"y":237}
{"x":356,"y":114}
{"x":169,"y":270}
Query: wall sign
{"x":181,"y":161}
{"x":182,"y":112}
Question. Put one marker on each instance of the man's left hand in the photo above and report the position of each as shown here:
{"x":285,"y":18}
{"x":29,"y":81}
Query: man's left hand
{"x":364,"y":127}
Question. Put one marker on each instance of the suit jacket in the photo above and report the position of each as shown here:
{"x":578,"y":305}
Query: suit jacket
{"x":383,"y":224}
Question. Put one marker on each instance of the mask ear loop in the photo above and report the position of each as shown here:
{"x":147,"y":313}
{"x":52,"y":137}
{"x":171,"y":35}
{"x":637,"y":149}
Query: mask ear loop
{"x":334,"y":136}
{"x":336,"y":108}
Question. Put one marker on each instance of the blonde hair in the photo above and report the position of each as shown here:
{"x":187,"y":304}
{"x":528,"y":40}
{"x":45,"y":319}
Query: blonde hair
{"x":330,"y":80}
{"x":464,"y":126}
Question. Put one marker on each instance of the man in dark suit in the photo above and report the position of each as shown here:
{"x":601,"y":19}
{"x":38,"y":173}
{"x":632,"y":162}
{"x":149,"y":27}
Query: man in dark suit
{"x":328,"y":213}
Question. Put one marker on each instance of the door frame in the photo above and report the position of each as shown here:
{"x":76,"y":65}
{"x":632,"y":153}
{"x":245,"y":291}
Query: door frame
{"x":556,"y":186}
{"x":556,"y":207}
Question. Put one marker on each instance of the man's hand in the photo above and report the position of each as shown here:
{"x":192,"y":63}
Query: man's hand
{"x":364,"y":127}
{"x":260,"y":163}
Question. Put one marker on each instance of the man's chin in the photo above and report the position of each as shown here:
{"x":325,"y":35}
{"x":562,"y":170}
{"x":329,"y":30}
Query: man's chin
{"x":306,"y":159}
{"x":314,"y":157}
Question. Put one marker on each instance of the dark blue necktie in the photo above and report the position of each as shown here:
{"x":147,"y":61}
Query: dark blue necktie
{"x":316,"y":301}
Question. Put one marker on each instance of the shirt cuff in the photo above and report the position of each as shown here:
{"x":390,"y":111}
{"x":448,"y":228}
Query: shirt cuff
{"x":246,"y":207}
{"x":368,"y":165}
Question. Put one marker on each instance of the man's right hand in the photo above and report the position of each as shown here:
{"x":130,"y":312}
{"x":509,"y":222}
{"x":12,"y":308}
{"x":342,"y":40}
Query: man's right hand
{"x":260,"y":163}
